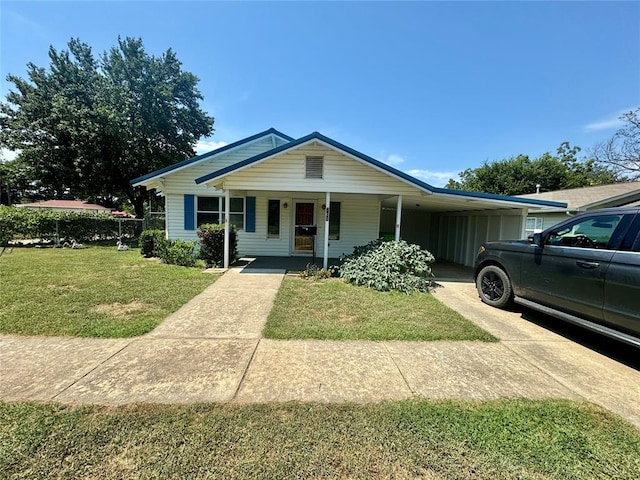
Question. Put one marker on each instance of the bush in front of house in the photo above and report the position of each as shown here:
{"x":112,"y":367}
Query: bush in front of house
{"x":149,"y":242}
{"x":211,"y":238}
{"x":178,"y":252}
{"x":387,"y":266}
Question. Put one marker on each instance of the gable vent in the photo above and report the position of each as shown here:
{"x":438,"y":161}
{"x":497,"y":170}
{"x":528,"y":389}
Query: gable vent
{"x":314,"y":167}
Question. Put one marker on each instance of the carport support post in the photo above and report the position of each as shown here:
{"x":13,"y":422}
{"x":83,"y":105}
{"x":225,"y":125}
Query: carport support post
{"x":398,"y":217}
{"x":327,"y":213}
{"x":227,"y":212}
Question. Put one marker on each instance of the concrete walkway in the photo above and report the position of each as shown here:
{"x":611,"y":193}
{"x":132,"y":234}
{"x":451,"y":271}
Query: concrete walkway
{"x":211,"y":350}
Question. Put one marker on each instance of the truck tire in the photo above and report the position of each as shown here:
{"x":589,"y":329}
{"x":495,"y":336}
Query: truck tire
{"x":494,"y":287}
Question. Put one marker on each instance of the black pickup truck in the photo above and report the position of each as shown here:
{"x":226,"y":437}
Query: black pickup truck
{"x":585,"y":270}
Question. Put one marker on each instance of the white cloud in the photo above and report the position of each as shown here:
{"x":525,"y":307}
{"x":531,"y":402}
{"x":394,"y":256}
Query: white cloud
{"x":610,"y":122}
{"x":207,"y":146}
{"x":27,"y":24}
{"x":393,"y":159}
{"x":437,"y":179}
{"x":8,"y":155}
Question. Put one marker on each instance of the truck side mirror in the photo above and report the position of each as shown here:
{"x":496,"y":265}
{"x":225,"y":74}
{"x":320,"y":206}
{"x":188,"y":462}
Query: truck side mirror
{"x":536,"y":239}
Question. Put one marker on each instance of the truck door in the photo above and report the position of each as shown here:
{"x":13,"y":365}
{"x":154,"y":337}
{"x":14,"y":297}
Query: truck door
{"x":568,"y":271}
{"x":622,"y":283}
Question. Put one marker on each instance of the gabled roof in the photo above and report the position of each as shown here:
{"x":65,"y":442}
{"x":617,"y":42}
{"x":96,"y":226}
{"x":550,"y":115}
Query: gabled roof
{"x":586,"y":198}
{"x":205,"y":156}
{"x":316,"y":136}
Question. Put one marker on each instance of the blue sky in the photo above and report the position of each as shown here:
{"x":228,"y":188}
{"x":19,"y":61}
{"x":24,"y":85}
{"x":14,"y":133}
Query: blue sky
{"x":429,"y":87}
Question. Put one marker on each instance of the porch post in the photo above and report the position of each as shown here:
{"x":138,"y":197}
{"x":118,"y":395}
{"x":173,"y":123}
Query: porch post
{"x":227,"y":210}
{"x":398,"y":217}
{"x":327,"y":213}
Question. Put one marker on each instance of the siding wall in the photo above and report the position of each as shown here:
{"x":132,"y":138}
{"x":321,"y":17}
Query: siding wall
{"x":456,"y":237}
{"x":359,"y":221}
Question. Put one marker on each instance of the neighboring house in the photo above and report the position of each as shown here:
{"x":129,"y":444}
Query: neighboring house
{"x":66,"y":206}
{"x":579,"y":200}
{"x":273,"y":188}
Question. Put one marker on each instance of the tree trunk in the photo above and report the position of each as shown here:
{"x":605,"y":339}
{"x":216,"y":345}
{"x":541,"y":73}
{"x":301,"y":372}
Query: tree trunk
{"x":136,"y":197}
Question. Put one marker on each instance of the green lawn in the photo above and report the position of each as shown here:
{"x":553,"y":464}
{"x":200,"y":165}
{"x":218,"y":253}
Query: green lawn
{"x":93,"y":292}
{"x":508,"y":439}
{"x":335,"y":310}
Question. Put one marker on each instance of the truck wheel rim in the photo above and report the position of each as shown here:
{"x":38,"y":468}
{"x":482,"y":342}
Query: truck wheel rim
{"x":492,"y":287}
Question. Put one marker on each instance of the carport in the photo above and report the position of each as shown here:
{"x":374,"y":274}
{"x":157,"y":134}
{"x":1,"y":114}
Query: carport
{"x":453,"y":224}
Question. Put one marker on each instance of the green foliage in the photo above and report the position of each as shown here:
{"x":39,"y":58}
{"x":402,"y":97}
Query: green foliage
{"x":20,"y":223}
{"x":314,"y":272}
{"x":87,"y":125}
{"x":177,"y":252}
{"x":211,"y":238}
{"x":385,"y":266}
{"x":148,"y":242}
{"x":520,"y":175}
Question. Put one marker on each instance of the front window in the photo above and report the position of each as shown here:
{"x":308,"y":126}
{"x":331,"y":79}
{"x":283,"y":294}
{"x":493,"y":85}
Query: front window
{"x":592,"y":232}
{"x":533,"y":225}
{"x":273,"y":219}
{"x":334,"y":221}
{"x":211,"y":210}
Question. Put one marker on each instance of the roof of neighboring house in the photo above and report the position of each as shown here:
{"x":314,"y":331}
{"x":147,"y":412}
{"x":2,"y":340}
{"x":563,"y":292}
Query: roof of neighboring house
{"x":316,"y":136}
{"x":65,"y":204}
{"x":204,"y":156}
{"x":600,"y":196}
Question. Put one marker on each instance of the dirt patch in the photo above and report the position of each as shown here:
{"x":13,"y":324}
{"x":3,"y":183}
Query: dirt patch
{"x":121,"y":309}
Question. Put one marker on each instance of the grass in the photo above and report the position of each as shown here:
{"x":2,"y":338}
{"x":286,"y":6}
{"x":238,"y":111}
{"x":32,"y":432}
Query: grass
{"x":93,"y":292}
{"x":335,"y":310}
{"x":507,"y":439}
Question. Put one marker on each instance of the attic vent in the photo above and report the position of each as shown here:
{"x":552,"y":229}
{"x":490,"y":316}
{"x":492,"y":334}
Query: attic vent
{"x":314,"y":167}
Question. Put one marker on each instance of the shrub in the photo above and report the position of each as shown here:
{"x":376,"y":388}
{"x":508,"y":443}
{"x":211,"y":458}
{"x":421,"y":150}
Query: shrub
{"x":312,"y":271}
{"x":388,"y":266}
{"x":149,"y":242}
{"x":177,"y":252}
{"x":211,"y":237}
{"x":19,"y":223}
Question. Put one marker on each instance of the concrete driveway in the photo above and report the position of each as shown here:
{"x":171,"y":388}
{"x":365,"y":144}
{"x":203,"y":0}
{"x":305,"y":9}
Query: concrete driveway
{"x":212,"y":350}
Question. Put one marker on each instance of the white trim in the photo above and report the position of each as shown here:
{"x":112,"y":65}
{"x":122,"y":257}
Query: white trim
{"x":227,"y":214}
{"x":327,"y":214}
{"x":398,"y":217}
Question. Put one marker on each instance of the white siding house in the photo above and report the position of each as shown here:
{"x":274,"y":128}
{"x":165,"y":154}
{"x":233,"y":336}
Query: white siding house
{"x":274,"y":189}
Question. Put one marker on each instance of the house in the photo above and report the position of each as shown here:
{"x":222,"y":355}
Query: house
{"x":66,"y":206}
{"x":579,"y":200}
{"x":311,"y":195}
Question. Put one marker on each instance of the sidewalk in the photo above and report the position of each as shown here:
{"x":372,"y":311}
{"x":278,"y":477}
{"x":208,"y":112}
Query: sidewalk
{"x":210,"y":350}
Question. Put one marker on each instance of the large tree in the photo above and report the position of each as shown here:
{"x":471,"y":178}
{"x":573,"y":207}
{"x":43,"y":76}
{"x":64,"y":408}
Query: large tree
{"x":622,"y":151}
{"x":86,"y":126}
{"x":521,"y":175}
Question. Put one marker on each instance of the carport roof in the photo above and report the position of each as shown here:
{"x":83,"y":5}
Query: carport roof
{"x":316,"y":136}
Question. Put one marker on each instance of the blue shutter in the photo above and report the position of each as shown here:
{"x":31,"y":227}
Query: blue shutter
{"x":189,"y":212}
{"x":251,"y":214}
